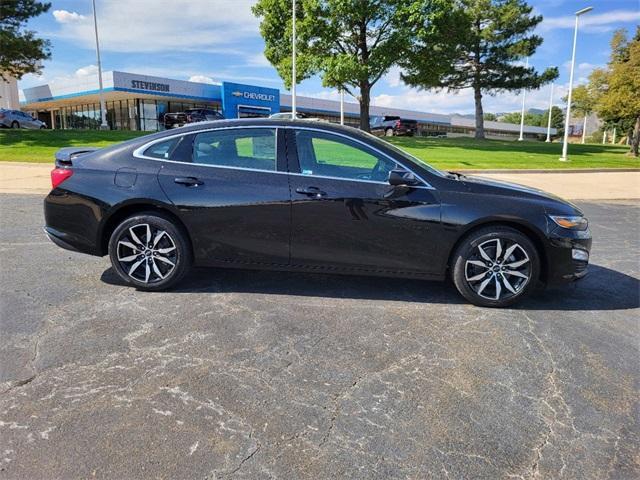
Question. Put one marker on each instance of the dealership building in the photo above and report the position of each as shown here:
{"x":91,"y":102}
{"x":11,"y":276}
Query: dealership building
{"x":139,"y":102}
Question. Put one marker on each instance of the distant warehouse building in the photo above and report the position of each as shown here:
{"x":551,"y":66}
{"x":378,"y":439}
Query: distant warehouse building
{"x":139,"y":102}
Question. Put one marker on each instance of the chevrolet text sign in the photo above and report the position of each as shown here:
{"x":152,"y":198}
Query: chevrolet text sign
{"x":264,"y":97}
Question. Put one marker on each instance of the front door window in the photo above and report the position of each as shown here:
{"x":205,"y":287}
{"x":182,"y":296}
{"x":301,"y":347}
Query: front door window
{"x":325,"y":155}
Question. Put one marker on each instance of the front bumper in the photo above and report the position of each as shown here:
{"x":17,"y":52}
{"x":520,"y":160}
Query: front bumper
{"x":568,"y":255}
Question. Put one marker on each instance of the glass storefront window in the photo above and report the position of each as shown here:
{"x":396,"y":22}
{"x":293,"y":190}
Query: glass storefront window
{"x":128,"y":114}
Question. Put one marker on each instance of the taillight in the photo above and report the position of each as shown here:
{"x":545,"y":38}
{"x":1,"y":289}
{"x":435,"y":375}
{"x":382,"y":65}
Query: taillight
{"x":1,"y":115}
{"x":398,"y":123}
{"x":59,"y":175}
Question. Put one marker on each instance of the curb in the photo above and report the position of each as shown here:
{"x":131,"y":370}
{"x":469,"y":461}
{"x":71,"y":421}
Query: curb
{"x":558,"y":170}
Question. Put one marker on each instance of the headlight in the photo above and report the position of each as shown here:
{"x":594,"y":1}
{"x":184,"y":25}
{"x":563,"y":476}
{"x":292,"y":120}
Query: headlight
{"x":570,"y":222}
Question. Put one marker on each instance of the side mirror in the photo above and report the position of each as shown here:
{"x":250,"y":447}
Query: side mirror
{"x":401,"y":177}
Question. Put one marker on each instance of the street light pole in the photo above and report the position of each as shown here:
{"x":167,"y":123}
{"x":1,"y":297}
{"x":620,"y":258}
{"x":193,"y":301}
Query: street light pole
{"x":103,"y":110}
{"x":341,"y":106}
{"x":294,"y":77}
{"x":524,"y":97}
{"x":564,"y":158}
{"x":549,"y":119}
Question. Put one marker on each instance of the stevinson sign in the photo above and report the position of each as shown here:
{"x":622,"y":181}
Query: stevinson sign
{"x":265,"y":97}
{"x":153,"y":86}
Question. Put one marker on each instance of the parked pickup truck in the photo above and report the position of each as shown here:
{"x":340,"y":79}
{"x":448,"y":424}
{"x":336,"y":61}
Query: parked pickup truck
{"x":390,"y":125}
{"x":191,"y":115}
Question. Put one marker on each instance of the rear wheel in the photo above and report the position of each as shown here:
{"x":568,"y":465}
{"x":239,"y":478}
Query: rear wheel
{"x":15,"y":124}
{"x":496,"y":267}
{"x":388,"y":132}
{"x":149,"y":251}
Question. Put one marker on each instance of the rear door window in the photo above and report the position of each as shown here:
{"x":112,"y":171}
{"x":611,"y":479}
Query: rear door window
{"x":250,"y":148}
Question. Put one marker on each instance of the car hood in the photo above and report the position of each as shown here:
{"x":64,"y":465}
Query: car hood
{"x":553,"y":204}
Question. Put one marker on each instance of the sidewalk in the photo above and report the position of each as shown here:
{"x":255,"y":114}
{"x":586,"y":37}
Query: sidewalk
{"x":34,"y":178}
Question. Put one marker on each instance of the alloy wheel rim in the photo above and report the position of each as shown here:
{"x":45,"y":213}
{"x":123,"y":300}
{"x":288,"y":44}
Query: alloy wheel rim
{"x":498,"y":269}
{"x":147,"y":253}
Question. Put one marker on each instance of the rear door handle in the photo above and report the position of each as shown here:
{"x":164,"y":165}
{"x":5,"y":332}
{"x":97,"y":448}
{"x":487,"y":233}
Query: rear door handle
{"x":311,"y":192}
{"x":188,"y":181}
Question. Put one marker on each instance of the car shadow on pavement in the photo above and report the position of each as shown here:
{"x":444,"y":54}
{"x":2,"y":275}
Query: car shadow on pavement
{"x":602,"y":289}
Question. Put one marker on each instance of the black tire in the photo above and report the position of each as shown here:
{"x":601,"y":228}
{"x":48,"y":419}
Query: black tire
{"x":42,"y":127}
{"x":15,"y":124}
{"x":497,"y":283}
{"x":154,"y":272}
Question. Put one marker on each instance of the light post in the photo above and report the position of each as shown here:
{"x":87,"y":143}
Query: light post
{"x":294,"y":78}
{"x":341,"y":106}
{"x":103,"y":110}
{"x":564,"y":158}
{"x":584,"y":129}
{"x":549,"y":119}
{"x":524,"y":97}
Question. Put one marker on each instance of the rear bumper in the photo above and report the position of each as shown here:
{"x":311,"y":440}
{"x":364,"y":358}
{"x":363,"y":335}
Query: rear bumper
{"x":71,"y":221}
{"x":568,"y":255}
{"x":405,"y":131}
{"x":58,"y":238}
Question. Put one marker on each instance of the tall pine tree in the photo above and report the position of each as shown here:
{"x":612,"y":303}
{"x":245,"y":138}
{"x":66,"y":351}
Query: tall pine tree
{"x":483,"y":47}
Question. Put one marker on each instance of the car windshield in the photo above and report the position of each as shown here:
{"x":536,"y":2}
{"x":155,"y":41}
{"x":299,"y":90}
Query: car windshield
{"x":407,"y":156}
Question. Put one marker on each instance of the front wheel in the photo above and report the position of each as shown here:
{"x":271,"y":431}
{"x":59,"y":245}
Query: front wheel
{"x":496,"y":267}
{"x":15,"y":124}
{"x":149,"y":251}
{"x":388,"y":132}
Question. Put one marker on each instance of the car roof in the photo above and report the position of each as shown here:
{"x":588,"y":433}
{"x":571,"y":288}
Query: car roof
{"x":267,"y":122}
{"x":191,"y":128}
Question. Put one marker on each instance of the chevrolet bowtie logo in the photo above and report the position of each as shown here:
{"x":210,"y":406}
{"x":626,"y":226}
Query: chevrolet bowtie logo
{"x":236,"y":94}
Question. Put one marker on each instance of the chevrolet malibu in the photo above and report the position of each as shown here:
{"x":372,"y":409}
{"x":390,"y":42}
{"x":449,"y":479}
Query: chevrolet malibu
{"x":307,"y":196}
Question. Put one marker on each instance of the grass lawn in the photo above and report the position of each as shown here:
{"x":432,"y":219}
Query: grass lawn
{"x":471,"y":154}
{"x":446,"y":153}
{"x":39,"y":146}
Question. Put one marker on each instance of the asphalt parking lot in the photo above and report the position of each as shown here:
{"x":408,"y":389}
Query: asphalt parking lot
{"x":279,"y":375}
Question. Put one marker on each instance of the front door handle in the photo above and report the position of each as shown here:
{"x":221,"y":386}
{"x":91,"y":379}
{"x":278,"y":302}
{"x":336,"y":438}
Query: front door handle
{"x":188,"y":181}
{"x":311,"y":192}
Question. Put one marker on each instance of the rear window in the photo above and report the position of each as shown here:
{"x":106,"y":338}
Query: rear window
{"x":162,"y":150}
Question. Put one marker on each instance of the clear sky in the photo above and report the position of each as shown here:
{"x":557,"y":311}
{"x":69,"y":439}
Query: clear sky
{"x":215,"y":40}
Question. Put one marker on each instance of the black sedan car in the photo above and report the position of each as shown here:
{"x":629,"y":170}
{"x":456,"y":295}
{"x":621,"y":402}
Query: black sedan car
{"x":309,"y":196}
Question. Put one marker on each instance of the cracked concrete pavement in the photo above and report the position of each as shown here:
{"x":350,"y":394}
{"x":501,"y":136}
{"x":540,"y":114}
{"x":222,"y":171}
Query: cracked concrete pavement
{"x":278,"y":375}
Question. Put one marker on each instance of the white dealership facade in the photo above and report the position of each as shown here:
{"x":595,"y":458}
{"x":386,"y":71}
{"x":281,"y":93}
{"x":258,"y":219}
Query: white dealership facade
{"x":138,"y":102}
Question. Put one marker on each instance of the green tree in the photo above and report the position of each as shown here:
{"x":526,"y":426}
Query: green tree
{"x":582,"y":104}
{"x":483,"y":43}
{"x":616,"y":89}
{"x":20,"y":50}
{"x":557,"y":120}
{"x":351,"y":43}
{"x":490,"y":117}
{"x":530,"y":118}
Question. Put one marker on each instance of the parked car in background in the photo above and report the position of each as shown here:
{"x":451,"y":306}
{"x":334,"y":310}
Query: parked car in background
{"x":202,"y":115}
{"x":289,"y":116}
{"x":306,"y":196}
{"x":392,"y":125}
{"x":18,"y":119}
{"x":191,"y":115}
